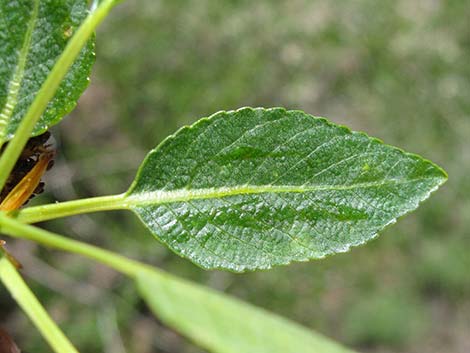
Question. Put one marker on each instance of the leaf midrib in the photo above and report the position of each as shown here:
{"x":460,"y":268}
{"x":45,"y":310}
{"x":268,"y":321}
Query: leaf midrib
{"x":15,"y":82}
{"x":184,"y":195}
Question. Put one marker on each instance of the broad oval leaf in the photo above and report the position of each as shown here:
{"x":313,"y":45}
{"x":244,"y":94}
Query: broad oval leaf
{"x":223,"y":324}
{"x":33,"y":34}
{"x":253,"y":188}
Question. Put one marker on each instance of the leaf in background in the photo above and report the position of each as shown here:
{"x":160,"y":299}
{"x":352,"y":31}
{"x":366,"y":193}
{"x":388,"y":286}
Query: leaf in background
{"x":223,"y":324}
{"x":33,"y":34}
{"x":253,"y":188}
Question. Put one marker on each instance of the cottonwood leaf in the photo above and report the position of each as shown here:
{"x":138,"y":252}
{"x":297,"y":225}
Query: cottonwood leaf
{"x":33,"y":34}
{"x":223,"y":324}
{"x":253,"y":188}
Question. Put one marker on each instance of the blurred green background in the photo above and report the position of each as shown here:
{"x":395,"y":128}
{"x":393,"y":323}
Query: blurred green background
{"x":399,"y":70}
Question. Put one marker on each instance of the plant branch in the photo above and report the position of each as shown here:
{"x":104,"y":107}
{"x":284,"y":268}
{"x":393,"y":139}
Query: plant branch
{"x":33,"y":309}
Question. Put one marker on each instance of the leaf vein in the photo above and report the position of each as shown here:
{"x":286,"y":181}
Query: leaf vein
{"x":14,"y":85}
{"x":162,"y":196}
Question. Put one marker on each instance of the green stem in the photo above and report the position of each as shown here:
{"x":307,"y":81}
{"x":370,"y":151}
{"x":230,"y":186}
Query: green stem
{"x":70,"y":208}
{"x":31,"y":306}
{"x":120,"y":263}
{"x":49,"y":88}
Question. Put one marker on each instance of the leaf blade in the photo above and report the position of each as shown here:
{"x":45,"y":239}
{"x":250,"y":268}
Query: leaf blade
{"x":254,"y":188}
{"x":29,"y":55}
{"x":223,"y":324}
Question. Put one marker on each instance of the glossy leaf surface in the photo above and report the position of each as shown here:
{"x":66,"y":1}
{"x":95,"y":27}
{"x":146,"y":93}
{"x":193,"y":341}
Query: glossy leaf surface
{"x":222,"y":324}
{"x":254,"y":188}
{"x":33,"y":35}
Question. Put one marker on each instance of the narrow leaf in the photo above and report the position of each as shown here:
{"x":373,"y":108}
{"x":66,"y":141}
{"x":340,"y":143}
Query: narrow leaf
{"x":253,"y":188}
{"x":222,"y":324}
{"x":33,"y":34}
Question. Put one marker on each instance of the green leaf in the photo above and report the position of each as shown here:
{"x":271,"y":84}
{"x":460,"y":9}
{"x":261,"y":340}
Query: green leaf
{"x":33,"y":34}
{"x":223,"y":324}
{"x":253,"y":188}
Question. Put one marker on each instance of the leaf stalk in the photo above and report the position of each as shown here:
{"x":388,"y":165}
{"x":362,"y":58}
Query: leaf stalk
{"x":120,"y":263}
{"x":33,"y":309}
